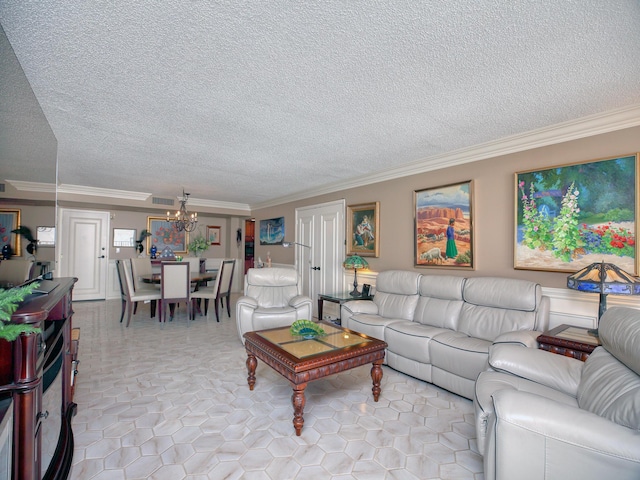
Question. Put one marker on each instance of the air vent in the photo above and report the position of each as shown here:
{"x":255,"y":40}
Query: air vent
{"x":1,"y":187}
{"x":162,"y":201}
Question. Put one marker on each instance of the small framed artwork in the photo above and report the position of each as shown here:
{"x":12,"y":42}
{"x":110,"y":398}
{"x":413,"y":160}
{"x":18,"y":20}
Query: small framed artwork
{"x":272,"y":231}
{"x":366,"y":290}
{"x":363,"y":229}
{"x":10,"y":220}
{"x":570,"y":216}
{"x":444,"y":226}
{"x":46,"y":236}
{"x":124,"y":237}
{"x":213,"y":234}
{"x":164,"y":234}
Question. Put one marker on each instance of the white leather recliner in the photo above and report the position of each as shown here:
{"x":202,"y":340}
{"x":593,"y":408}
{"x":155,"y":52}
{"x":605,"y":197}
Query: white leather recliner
{"x":540,"y":415}
{"x":272,"y":298}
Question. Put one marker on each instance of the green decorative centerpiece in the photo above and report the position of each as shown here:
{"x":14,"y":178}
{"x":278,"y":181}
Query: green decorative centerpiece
{"x":198,"y":245}
{"x":9,"y":301}
{"x":306,"y":329}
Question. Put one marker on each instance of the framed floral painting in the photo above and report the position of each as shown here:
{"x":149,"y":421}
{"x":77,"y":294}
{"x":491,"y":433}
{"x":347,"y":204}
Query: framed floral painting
{"x":444,"y":231}
{"x":164,"y":234}
{"x":571,"y":216}
{"x":363,"y":229}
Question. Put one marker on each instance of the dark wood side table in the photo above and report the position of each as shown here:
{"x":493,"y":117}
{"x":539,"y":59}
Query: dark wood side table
{"x":338,"y":298}
{"x":569,"y":341}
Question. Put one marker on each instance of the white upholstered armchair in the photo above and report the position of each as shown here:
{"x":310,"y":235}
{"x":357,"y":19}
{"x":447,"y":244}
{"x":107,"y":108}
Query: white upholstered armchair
{"x":272,"y":298}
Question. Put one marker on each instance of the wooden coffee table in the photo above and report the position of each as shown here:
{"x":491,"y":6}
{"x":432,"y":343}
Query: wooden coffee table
{"x":302,"y":360}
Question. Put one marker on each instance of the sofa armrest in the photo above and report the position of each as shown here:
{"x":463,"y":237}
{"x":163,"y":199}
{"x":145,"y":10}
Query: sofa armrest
{"x":360,"y":306}
{"x":524,"y":338}
{"x":554,"y":371}
{"x":247,"y":302}
{"x":553,"y":440}
{"x":300,"y":300}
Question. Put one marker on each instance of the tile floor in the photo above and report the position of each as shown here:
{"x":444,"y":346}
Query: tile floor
{"x":173,"y":403}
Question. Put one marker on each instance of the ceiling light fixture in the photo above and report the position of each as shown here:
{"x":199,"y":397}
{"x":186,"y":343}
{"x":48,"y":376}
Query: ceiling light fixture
{"x":183,"y":221}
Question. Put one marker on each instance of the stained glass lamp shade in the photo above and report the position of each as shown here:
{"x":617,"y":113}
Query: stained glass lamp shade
{"x":355,"y":263}
{"x":604,"y":278}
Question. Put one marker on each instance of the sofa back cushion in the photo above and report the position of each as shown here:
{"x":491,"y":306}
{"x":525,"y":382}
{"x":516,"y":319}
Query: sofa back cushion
{"x":271,"y":287}
{"x":494,"y":306}
{"x":396,"y":294}
{"x":610,"y":383}
{"x":440,"y":301}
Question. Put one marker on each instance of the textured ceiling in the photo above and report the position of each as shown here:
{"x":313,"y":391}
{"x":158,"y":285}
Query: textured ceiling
{"x":248,"y":101}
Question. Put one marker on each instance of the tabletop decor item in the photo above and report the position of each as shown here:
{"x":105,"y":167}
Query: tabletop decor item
{"x":603,"y":278}
{"x":198,"y":245}
{"x":355,"y":263}
{"x":306,"y":329}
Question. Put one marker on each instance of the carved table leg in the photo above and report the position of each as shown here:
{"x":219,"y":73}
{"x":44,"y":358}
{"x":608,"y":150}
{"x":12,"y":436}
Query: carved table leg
{"x":376,"y":376}
{"x":252,"y":363}
{"x":298,"y":401}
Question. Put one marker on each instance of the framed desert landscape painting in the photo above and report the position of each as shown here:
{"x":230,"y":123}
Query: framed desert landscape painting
{"x":444,"y":226}
{"x":363,"y":229}
{"x":571,"y":216}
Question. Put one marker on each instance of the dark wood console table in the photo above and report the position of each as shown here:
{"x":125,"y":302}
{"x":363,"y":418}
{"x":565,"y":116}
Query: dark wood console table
{"x":36,"y":372}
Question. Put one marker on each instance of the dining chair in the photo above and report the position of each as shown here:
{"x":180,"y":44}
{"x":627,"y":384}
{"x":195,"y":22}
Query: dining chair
{"x":124,"y":267}
{"x":139,"y":268}
{"x":220,"y":290}
{"x":175,"y":287}
{"x":123,"y":295}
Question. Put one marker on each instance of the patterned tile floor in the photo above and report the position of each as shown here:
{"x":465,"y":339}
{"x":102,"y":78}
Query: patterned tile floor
{"x":173,"y":403}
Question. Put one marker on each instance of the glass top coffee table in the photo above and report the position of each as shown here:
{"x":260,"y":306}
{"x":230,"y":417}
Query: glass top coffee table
{"x":301,"y":360}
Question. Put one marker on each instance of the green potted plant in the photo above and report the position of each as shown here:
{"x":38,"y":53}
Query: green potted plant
{"x":9,"y":301}
{"x":197,"y":245}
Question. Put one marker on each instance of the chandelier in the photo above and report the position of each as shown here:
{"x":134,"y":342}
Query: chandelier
{"x":183,"y":221}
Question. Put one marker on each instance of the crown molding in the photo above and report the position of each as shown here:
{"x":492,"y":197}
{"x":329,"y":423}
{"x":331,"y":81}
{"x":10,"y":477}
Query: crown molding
{"x":619,"y":119}
{"x":102,"y":192}
{"x":201,"y":202}
{"x":33,"y":186}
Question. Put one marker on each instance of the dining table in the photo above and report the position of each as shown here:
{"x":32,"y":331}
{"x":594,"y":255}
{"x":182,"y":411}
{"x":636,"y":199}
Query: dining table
{"x":197,"y":279}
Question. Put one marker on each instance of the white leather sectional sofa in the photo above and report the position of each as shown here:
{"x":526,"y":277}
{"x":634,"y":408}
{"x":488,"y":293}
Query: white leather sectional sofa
{"x":439,"y":327}
{"x":542,"y":415}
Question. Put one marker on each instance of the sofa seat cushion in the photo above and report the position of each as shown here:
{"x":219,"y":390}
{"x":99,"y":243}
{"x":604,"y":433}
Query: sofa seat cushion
{"x":411,"y":339}
{"x":459,"y":354}
{"x":372,"y":325}
{"x":264,"y":317}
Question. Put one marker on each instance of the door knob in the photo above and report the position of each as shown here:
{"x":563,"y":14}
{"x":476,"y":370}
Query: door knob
{"x":101,"y":256}
{"x":315,"y":268}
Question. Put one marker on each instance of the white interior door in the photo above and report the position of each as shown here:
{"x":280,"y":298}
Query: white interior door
{"x":84,"y":252}
{"x":320,"y":266}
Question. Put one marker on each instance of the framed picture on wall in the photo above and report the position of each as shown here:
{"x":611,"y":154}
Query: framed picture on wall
{"x":124,"y":237}
{"x":272,"y":231}
{"x":213,"y":234}
{"x":363,"y":229}
{"x":164,"y":234}
{"x":571,"y":216}
{"x":10,"y":220}
{"x":46,"y":236}
{"x":443,"y":219}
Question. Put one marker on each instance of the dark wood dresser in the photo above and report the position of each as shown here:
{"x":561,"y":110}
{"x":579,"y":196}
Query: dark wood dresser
{"x":36,"y":374}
